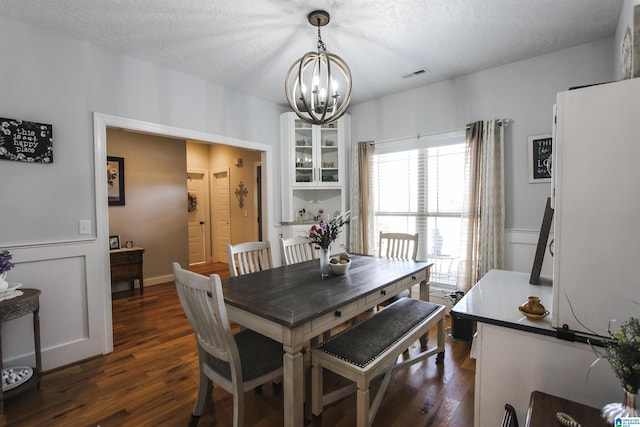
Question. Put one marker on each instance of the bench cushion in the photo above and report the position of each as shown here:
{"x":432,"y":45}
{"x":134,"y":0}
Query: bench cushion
{"x":364,"y":342}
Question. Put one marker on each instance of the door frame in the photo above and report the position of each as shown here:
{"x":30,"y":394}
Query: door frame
{"x":101,"y":121}
{"x":207,"y":211}
{"x":215,"y":254}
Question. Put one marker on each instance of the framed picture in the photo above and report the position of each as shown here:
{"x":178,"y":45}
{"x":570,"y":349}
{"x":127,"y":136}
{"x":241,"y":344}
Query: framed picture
{"x":540,"y":149}
{"x":114,"y":242}
{"x":115,"y":181}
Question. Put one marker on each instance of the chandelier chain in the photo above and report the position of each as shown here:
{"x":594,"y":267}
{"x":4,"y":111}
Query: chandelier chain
{"x":321,"y":45}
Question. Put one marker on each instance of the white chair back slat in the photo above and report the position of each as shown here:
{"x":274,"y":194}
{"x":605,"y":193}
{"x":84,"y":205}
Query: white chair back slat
{"x":249,"y":257}
{"x":297,"y":249}
{"x":398,"y":245}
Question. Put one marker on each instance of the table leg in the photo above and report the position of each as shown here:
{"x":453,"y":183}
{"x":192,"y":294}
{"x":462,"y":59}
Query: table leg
{"x":36,"y":338}
{"x":293,"y":378}
{"x":424,"y":296}
{"x":440,"y":356}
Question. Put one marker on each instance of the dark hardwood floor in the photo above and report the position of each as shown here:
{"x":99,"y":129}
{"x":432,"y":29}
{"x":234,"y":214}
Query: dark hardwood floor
{"x":151,"y":379}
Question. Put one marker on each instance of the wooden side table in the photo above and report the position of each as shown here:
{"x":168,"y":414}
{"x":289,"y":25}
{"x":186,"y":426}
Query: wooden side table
{"x":126,"y":265}
{"x":28,"y":302}
{"x":543,"y":408}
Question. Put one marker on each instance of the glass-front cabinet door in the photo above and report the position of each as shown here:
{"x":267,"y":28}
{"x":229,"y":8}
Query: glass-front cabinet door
{"x":329,"y":166}
{"x":303,"y":153}
{"x":316,"y":159}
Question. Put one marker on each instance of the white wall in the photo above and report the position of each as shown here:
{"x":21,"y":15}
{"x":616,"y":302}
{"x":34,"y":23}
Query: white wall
{"x":523,"y":92}
{"x":54,"y":79}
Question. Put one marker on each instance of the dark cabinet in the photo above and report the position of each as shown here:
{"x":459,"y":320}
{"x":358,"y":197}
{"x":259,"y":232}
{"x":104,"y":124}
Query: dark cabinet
{"x":126,"y":265}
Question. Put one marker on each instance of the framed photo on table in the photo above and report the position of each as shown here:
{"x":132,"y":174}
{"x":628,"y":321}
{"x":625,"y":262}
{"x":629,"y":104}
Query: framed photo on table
{"x":114,"y":242}
{"x":115,"y":181}
{"x":540,"y":149}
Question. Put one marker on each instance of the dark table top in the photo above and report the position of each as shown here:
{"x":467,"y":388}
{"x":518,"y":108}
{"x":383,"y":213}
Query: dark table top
{"x":295,"y":294}
{"x":543,"y":408}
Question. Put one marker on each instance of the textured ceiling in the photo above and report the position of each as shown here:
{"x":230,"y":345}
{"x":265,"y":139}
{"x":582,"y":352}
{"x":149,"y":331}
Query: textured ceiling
{"x":249,"y":45}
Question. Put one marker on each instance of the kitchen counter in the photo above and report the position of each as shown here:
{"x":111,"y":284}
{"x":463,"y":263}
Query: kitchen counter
{"x":516,"y":356}
{"x":495,"y":300}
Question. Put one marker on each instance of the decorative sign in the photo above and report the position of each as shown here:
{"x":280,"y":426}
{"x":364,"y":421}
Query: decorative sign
{"x":26,"y":141}
{"x":115,"y":181}
{"x":540,"y":147}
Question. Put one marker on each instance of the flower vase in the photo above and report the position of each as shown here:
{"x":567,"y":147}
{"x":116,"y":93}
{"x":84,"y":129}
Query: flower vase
{"x":324,"y":262}
{"x":3,"y":280}
{"x":627,"y":408}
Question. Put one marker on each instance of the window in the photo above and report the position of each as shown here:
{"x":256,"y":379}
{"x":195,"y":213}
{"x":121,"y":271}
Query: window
{"x":418,"y":187}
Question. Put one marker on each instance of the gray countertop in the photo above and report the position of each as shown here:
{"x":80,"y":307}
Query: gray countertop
{"x":496,"y":297}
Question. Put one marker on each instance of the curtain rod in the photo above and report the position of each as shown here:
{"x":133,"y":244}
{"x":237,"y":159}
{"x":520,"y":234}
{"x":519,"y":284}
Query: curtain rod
{"x":418,"y":136}
{"x":501,"y":122}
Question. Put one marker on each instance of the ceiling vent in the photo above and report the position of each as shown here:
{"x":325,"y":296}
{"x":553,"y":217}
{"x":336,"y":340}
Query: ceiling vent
{"x":418,"y":72}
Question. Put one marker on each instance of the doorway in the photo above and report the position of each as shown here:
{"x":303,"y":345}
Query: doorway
{"x":198,"y":217}
{"x":101,"y":320}
{"x":221,"y":215}
{"x":259,"y":198}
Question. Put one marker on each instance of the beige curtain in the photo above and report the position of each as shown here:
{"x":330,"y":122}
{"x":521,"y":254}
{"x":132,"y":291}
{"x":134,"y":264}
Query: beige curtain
{"x":360,"y":201}
{"x":482,"y":245}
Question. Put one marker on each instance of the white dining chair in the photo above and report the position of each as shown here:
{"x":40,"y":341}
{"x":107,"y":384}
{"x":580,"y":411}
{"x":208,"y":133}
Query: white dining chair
{"x":238,"y":363}
{"x":398,"y":246}
{"x":297,"y":249}
{"x":249,"y":257}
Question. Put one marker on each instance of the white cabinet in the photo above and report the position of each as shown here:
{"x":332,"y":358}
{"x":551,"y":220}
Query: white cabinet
{"x":315,"y":153}
{"x":313,"y":166}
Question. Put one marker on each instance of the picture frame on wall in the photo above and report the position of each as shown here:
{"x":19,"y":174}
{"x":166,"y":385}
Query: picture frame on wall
{"x":115,"y":181}
{"x":114,"y":242}
{"x":540,"y":148}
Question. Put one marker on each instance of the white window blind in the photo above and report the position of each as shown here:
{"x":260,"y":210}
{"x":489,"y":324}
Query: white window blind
{"x":418,"y":188}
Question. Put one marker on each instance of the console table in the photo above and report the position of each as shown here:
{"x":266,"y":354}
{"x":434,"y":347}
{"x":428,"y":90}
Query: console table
{"x":543,"y":408}
{"x":28,"y":302}
{"x":126,"y":265}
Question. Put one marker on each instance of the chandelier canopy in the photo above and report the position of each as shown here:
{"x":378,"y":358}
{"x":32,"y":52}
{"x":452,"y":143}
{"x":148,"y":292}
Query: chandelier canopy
{"x":318,"y":85}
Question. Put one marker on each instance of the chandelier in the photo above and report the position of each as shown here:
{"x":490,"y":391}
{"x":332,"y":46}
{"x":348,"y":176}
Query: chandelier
{"x":318,"y":85}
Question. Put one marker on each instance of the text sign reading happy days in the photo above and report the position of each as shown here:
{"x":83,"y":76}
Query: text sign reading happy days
{"x":26,"y":141}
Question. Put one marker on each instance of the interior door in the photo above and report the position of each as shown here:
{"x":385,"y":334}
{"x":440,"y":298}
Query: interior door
{"x":221,"y":227}
{"x":198,"y":224}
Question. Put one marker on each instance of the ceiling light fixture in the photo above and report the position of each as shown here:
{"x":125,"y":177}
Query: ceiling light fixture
{"x":318,"y":85}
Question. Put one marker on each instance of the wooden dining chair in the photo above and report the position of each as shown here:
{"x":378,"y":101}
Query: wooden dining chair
{"x":399,"y":246}
{"x":237,"y":363}
{"x":249,"y":257}
{"x":297,"y":249}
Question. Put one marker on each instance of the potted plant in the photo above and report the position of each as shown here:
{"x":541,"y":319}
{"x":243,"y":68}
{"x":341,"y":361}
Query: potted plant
{"x":622,"y":352}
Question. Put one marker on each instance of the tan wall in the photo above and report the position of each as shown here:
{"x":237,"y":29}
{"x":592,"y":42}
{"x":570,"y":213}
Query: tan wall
{"x":155,"y":214}
{"x":211,"y":157}
{"x":198,"y":155}
{"x":244,"y":221}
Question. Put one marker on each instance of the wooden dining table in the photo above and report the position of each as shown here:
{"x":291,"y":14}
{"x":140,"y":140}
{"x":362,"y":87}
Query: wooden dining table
{"x":293,"y":304}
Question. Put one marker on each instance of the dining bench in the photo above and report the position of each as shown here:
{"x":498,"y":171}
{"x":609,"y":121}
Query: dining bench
{"x":371,"y":348}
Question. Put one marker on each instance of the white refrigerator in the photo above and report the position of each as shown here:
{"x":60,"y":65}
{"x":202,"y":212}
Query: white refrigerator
{"x":596,"y":195}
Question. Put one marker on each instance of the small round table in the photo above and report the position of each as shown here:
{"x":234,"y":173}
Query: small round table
{"x":13,"y":308}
